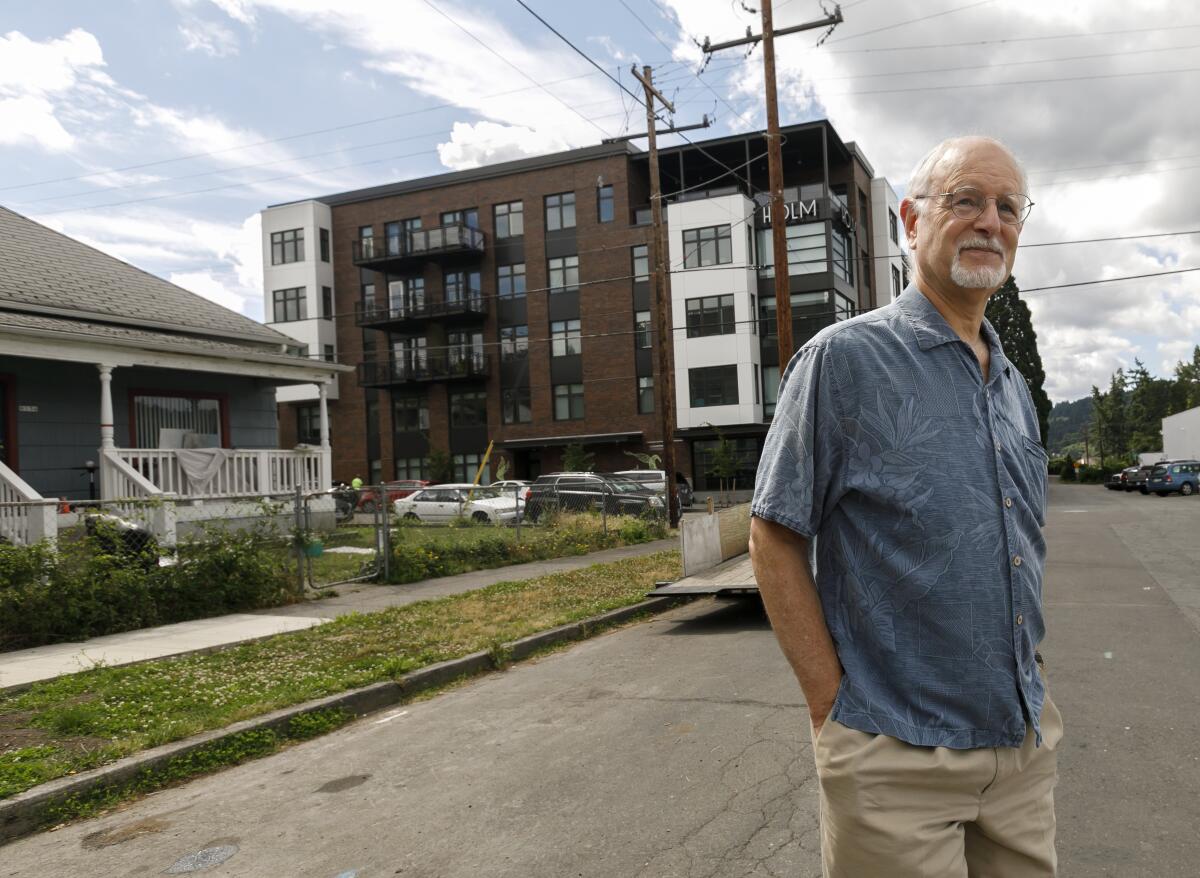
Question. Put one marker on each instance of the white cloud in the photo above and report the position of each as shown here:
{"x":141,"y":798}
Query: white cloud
{"x":209,"y":37}
{"x":206,"y":284}
{"x":485,"y":143}
{"x":33,"y":78}
{"x":459,"y":68}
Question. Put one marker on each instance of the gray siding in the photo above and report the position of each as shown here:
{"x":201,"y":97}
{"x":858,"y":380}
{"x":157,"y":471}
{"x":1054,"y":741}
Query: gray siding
{"x":54,"y":442}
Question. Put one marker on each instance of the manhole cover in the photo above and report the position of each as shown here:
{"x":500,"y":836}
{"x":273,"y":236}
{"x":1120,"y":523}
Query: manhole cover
{"x":202,"y":859}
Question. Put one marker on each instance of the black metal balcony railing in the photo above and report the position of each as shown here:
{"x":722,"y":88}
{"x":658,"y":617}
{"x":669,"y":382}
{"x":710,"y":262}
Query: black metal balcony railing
{"x":453,"y":239}
{"x":451,"y":366}
{"x":415,"y":310}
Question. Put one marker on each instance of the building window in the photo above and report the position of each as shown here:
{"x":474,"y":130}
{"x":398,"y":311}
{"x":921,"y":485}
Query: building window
{"x":564,"y":338}
{"x":864,"y":267}
{"x":466,"y":466}
{"x":297,"y":350}
{"x":330,"y":355}
{"x":605,"y":207}
{"x":563,"y":273}
{"x":412,"y":468}
{"x":568,"y":402}
{"x":843,"y":259}
{"x":805,"y":324}
{"x":287,"y":246}
{"x":896,"y":288}
{"x":170,"y":421}
{"x":509,"y":219}
{"x":410,"y":414}
{"x":465,"y":351}
{"x":712,"y":245}
{"x":366,"y":242}
{"x":710,"y":315}
{"x":560,"y":211}
{"x":641,"y":263}
{"x":308,"y":424}
{"x":645,"y":393}
{"x":515,"y":405}
{"x":468,"y":217}
{"x":468,"y":409}
{"x":843,"y":308}
{"x":862,"y":211}
{"x":323,"y":237}
{"x":327,"y":302}
{"x":462,"y":285}
{"x":770,"y":380}
{"x":398,"y":235}
{"x":641,"y":329}
{"x":375,"y":472}
{"x":893,"y":227}
{"x":406,"y":296}
{"x":805,"y":249}
{"x":510,"y":280}
{"x":514,"y":341}
{"x":290,"y":304}
{"x":713,"y":385}
{"x":368,"y":297}
{"x":746,"y":453}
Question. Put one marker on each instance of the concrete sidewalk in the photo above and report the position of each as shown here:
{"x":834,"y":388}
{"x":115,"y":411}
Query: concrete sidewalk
{"x":25,"y":666}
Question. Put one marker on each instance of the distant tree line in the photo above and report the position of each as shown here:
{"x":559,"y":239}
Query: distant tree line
{"x":1126,"y":419}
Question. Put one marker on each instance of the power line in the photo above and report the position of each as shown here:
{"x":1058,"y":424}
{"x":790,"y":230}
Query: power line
{"x":287,"y":137}
{"x":1107,"y":280}
{"x":1003,"y":41}
{"x":448,"y":18}
{"x":910,"y":21}
{"x":232,"y":169}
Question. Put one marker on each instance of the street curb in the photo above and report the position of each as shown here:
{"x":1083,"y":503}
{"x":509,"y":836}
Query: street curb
{"x":26,"y":812}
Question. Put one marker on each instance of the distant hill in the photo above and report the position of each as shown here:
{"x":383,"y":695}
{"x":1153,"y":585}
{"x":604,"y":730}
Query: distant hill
{"x":1067,"y":422}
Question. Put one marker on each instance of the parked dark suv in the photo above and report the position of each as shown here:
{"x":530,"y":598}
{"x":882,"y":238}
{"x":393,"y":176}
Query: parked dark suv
{"x":585,"y":492}
{"x":1174,"y":475}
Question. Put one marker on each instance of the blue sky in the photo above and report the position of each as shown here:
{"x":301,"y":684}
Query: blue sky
{"x":1098,"y":110}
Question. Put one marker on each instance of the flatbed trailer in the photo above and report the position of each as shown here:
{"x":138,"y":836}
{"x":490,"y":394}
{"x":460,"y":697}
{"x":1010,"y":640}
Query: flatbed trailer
{"x":729,"y":579}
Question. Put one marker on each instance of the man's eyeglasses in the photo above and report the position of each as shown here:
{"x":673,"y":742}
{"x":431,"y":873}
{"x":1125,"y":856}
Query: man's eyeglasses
{"x":968,"y":203}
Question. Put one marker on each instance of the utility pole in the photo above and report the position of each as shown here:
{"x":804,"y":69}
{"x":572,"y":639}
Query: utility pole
{"x":783,"y":299}
{"x":662,"y":301}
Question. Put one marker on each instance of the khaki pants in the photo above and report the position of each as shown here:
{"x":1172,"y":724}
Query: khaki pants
{"x":892,"y":810}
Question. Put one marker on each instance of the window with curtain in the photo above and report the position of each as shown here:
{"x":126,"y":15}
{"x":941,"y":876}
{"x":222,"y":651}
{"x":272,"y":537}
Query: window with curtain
{"x":176,"y":421}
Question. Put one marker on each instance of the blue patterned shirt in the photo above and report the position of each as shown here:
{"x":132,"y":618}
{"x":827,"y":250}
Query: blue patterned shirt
{"x":925,"y":490}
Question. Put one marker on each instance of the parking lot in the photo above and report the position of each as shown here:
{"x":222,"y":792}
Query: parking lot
{"x":679,"y":747}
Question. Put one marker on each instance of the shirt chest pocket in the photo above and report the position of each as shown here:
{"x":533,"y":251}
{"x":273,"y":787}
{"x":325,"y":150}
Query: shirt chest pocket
{"x":1034,"y":463}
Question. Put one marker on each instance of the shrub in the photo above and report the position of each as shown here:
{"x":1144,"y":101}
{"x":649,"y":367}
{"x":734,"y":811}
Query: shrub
{"x":1067,"y":471}
{"x":94,"y":584}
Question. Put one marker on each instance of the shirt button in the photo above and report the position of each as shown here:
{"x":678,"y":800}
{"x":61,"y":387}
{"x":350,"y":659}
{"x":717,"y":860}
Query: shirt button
{"x":1008,"y":502}
{"x":997,"y":447}
{"x":1016,"y":561}
{"x":1020,"y":619}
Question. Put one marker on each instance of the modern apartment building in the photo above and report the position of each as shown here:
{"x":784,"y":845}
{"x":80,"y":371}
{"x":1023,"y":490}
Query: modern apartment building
{"x":512,"y":303}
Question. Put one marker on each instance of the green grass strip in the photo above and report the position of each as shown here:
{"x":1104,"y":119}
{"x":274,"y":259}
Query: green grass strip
{"x":92,"y":718}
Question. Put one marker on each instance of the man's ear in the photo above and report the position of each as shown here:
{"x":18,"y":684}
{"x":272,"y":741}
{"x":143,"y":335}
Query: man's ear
{"x":908,"y":216}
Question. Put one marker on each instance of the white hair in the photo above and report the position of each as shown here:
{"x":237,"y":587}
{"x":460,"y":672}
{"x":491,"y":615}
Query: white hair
{"x":920,"y":182}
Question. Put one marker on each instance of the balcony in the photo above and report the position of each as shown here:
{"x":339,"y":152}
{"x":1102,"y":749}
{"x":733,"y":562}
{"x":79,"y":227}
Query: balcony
{"x":454,"y":366}
{"x":394,"y":251}
{"x":417,"y":311}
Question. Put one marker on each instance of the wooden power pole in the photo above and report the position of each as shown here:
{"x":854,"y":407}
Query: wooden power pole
{"x":662,"y":299}
{"x":783,"y":298}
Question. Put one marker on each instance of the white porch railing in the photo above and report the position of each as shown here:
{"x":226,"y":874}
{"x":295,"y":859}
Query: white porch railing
{"x":139,"y":472}
{"x":25,"y":516}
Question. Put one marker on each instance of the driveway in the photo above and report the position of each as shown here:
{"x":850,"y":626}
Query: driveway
{"x":679,"y":747}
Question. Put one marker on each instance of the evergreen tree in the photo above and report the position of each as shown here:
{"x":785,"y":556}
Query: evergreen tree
{"x":1010,"y":316}
{"x":1187,"y":380}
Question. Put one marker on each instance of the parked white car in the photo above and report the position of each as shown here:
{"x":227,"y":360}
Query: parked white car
{"x":442,"y":503}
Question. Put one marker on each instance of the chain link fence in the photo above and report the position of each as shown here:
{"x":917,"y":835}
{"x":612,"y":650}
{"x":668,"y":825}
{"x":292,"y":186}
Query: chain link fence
{"x":339,"y":536}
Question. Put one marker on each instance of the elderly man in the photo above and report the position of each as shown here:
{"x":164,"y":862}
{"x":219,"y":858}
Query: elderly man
{"x":897,"y":544}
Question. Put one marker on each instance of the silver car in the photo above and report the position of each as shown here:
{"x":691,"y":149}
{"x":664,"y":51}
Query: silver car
{"x":439,"y":504}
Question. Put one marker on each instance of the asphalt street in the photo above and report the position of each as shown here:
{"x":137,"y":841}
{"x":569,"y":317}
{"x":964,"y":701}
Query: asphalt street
{"x":679,"y":747}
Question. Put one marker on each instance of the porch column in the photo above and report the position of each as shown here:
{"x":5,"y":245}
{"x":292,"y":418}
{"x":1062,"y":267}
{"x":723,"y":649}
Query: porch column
{"x":326,"y":453}
{"x":323,"y":390}
{"x":106,"y":407}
